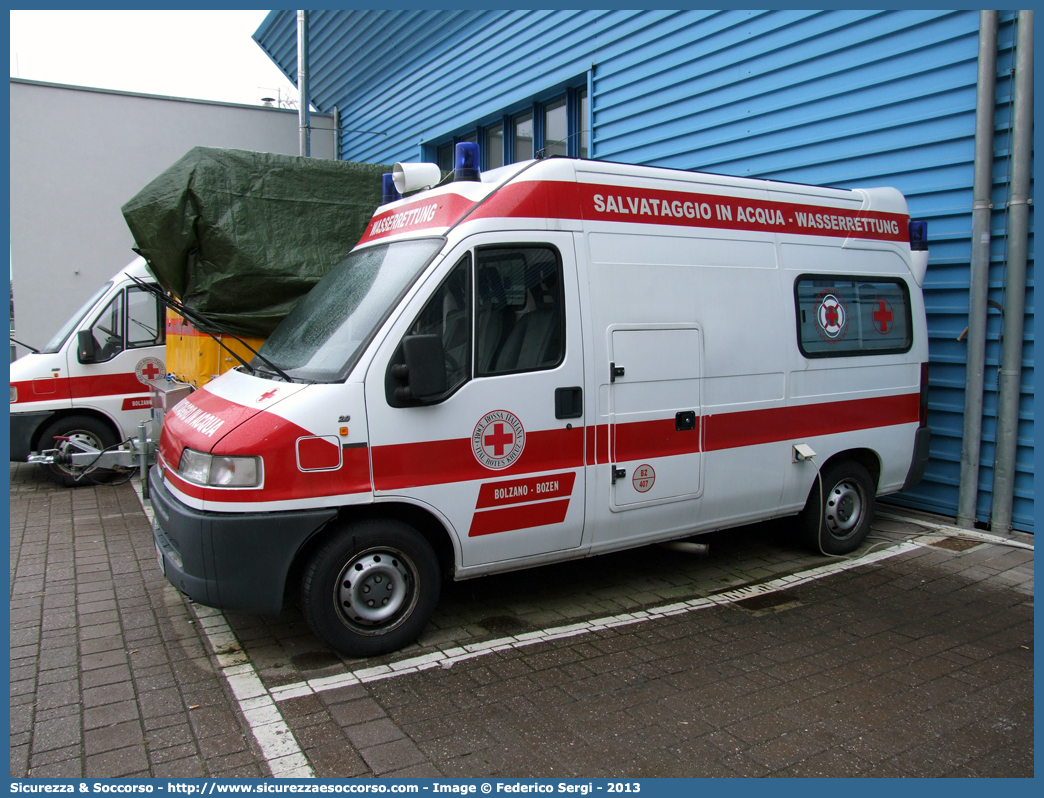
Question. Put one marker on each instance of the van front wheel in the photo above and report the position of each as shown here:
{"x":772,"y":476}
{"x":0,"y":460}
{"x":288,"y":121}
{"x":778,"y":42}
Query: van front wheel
{"x":371,"y":588}
{"x":69,"y":434}
{"x":841,"y":522}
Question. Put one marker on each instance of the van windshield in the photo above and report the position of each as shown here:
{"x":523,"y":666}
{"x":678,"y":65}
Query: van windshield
{"x":324,"y":336}
{"x":58,"y":341}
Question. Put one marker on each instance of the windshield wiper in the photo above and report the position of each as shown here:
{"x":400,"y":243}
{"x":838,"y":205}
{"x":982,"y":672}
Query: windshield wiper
{"x":32,"y":349}
{"x":201,"y":322}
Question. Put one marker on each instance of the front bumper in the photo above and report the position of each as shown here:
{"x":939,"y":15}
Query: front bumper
{"x":23,"y":427}
{"x":232,"y":561}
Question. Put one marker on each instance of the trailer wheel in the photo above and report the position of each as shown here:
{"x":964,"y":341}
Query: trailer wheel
{"x":371,"y":588}
{"x":841,"y":523}
{"x":62,"y":434}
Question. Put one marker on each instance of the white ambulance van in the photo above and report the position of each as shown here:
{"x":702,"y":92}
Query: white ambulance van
{"x":89,"y":385}
{"x":552,"y":360}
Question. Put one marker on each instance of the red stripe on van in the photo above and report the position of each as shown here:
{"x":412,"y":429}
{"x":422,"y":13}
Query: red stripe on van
{"x":411,"y":465}
{"x":426,"y":213}
{"x":505,"y":519}
{"x":106,"y":385}
{"x":658,"y":438}
{"x":532,"y":199}
{"x":250,"y":431}
{"x":28,"y":391}
{"x":557,"y":199}
{"x":723,"y":212}
{"x":751,"y":427}
{"x":79,"y":387}
{"x":282,"y":479}
{"x":549,"y":199}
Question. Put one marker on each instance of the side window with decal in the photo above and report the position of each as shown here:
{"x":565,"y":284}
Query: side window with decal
{"x":850,"y":316}
{"x":445,"y":320}
{"x":519,"y":310}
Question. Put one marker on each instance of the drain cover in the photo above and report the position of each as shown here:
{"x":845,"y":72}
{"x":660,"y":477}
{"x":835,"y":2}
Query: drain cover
{"x":768,"y":601}
{"x":956,"y":544}
{"x":504,"y":625}
{"x":313,"y":660}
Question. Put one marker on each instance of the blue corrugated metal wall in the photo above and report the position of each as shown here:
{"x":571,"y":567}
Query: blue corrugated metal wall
{"x":840,"y":98}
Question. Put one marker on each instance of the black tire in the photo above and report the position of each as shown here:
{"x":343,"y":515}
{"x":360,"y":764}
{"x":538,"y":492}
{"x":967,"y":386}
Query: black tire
{"x":847,"y":510}
{"x":386,"y":555}
{"x":91,"y":431}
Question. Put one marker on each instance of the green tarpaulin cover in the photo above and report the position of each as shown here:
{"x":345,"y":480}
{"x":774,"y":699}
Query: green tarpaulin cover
{"x":241,"y":236}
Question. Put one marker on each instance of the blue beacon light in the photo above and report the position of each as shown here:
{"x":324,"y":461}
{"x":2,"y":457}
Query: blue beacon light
{"x":466,"y":162}
{"x":389,"y":194}
{"x":918,"y":235}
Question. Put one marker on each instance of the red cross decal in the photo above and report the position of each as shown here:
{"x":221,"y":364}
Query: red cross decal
{"x":151,"y":370}
{"x":498,"y":440}
{"x":831,"y":315}
{"x":268,"y":395}
{"x":883,"y":316}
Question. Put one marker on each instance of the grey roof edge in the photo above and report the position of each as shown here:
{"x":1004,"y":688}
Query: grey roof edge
{"x":71,"y":87}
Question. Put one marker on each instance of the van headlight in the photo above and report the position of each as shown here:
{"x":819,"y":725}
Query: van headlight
{"x":14,"y":394}
{"x":219,"y":471}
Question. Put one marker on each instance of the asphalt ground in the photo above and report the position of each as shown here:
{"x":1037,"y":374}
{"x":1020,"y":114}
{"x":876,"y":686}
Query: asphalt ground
{"x":755,"y":660}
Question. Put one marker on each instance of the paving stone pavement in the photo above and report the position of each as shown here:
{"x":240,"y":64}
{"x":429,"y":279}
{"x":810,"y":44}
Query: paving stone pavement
{"x":918,"y":665}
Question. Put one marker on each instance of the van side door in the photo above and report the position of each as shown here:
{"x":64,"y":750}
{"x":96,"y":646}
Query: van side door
{"x":654,"y":415}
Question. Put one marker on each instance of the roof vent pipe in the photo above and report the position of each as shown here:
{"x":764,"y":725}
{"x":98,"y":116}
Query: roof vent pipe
{"x":982,"y":207}
{"x":303,"y":117}
{"x":337,"y":134}
{"x":1015,"y":293}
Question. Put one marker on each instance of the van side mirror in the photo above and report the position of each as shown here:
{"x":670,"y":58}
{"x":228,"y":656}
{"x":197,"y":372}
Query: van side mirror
{"x":86,"y":352}
{"x":425,"y":365}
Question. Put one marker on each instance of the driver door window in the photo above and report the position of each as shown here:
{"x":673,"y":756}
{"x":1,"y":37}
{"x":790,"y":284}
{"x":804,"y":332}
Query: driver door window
{"x":144,"y":323}
{"x":447,"y":315}
{"x":108,"y":331}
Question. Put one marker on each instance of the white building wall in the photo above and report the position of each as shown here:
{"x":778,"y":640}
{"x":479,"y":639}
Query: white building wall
{"x":78,"y":154}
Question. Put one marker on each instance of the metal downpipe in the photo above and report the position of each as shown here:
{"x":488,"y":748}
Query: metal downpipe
{"x":982,"y":206}
{"x":304,"y":99}
{"x":1015,"y":298}
{"x":337,"y":134}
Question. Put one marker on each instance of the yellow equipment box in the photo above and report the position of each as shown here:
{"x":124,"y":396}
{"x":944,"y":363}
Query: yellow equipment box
{"x":195,"y":358}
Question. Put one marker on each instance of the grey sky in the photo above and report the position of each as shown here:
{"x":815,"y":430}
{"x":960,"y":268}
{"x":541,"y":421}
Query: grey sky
{"x":205,"y":55}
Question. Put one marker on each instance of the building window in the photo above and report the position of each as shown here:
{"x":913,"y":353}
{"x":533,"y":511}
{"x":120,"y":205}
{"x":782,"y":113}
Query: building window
{"x":557,"y":126}
{"x":556,"y":131}
{"x":523,"y":141}
{"x":444,"y":157}
{"x":583,"y":147}
{"x":494,"y":146}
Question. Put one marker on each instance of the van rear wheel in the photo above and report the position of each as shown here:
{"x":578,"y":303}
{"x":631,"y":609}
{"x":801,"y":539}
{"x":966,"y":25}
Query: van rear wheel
{"x":839,"y":524}
{"x":371,"y":588}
